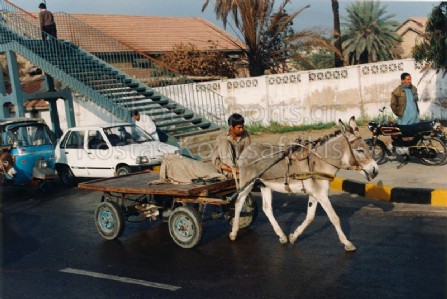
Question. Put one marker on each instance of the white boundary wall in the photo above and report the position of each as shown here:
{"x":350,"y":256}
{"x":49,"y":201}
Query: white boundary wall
{"x":310,"y":97}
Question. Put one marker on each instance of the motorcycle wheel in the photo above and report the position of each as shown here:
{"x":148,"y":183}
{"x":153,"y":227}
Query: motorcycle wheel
{"x":434,"y":144}
{"x":377,"y":151}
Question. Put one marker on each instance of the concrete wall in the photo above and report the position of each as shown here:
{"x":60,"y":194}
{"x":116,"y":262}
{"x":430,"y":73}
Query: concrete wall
{"x":310,"y":97}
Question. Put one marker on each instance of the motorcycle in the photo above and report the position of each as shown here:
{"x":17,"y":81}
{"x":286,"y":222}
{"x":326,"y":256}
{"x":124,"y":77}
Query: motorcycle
{"x":424,"y":140}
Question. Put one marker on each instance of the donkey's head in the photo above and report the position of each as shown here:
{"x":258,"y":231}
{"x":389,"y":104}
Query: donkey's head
{"x":356,"y":153}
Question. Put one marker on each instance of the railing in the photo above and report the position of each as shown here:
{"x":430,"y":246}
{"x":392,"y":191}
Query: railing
{"x":132,"y":62}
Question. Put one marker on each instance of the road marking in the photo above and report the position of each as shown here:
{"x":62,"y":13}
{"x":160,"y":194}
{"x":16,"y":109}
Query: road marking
{"x":122,"y":279}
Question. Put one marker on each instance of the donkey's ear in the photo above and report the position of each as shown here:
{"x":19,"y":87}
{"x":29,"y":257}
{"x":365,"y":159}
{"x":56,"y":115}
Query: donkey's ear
{"x":342,"y":127}
{"x":352,"y":123}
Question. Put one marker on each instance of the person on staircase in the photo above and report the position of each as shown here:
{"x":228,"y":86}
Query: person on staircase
{"x":46,"y":20}
{"x":146,"y":123}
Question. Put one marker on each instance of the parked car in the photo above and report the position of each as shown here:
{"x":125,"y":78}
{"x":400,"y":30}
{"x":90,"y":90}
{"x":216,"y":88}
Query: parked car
{"x":106,"y":151}
{"x":31,"y":143}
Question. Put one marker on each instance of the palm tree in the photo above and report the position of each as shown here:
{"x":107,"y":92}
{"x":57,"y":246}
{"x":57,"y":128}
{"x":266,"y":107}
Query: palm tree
{"x":338,"y":61}
{"x":369,"y":33}
{"x":268,"y":39}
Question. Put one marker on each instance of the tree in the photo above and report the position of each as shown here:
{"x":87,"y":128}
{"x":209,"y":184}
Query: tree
{"x":369,"y":34}
{"x":266,"y":33}
{"x":338,"y":61}
{"x":433,"y":48}
{"x":188,"y":60}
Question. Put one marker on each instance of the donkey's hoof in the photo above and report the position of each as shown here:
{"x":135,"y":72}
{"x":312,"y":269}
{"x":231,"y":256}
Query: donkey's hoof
{"x":350,"y":247}
{"x":283,"y":239}
{"x":292,"y":239}
{"x":233,"y":236}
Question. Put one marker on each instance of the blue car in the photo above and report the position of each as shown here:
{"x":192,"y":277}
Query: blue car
{"x":31,"y":143}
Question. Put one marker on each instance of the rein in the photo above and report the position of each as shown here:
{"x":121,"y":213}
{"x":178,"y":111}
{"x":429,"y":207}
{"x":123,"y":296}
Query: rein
{"x":311,"y":151}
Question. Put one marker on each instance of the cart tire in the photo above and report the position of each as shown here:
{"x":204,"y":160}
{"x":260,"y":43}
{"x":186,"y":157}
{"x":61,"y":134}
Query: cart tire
{"x":109,"y":220}
{"x":185,"y":227}
{"x":250,"y":206}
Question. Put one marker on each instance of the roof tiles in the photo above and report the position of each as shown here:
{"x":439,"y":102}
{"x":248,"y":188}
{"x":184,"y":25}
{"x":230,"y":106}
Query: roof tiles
{"x":153,"y":34}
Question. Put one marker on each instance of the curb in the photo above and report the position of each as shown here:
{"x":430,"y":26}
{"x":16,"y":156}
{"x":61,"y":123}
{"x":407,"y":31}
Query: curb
{"x":434,"y":197}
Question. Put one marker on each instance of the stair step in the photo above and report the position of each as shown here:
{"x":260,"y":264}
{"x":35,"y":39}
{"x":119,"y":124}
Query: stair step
{"x":190,"y":127}
{"x":144,"y":105}
{"x":165,"y":111}
{"x":180,"y":121}
{"x":194,"y":133}
{"x":122,"y":91}
{"x":169,"y":115}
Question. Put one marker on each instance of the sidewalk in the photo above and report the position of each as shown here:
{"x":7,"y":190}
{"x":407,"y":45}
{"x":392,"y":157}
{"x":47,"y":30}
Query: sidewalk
{"x":412,"y":183}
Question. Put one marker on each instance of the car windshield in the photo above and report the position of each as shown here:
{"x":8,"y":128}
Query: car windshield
{"x":126,"y":134}
{"x":28,"y":135}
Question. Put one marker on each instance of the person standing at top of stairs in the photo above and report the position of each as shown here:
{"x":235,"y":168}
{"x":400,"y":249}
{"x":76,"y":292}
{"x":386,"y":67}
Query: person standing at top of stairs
{"x":146,"y":123}
{"x":46,"y":20}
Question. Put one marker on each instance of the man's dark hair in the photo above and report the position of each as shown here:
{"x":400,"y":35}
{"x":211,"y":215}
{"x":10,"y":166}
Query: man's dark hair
{"x":42,"y":6}
{"x":134,"y":113}
{"x":404,"y":75}
{"x":235,"y":119}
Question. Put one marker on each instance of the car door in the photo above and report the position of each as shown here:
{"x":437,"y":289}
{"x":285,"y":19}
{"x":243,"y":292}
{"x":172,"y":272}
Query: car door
{"x":73,"y":154}
{"x":99,"y":155}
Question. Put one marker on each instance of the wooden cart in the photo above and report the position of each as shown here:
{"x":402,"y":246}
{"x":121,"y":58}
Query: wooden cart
{"x":130,"y":196}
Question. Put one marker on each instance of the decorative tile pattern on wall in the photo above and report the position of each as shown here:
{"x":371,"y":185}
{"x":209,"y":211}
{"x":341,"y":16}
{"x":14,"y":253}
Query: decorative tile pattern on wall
{"x":215,"y":86}
{"x":287,"y":79}
{"x":242,"y":84}
{"x":382,"y":68}
{"x":328,"y":75}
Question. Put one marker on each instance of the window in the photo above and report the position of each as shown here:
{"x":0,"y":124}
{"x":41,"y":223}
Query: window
{"x":75,"y":140}
{"x":95,"y":140}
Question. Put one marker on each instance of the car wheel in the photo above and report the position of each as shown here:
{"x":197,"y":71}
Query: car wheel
{"x":67,"y":177}
{"x":123,"y":170}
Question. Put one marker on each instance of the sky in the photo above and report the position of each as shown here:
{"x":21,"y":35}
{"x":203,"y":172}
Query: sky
{"x":318,"y":15}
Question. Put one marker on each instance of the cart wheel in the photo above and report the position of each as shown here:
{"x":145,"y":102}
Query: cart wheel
{"x":109,"y":220}
{"x":250,"y":209}
{"x":185,"y":227}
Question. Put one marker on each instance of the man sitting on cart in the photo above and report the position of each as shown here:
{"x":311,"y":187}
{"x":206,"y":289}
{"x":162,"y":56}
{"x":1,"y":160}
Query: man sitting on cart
{"x":229,"y":146}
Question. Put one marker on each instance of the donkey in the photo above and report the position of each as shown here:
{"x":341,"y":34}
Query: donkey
{"x":306,"y":168}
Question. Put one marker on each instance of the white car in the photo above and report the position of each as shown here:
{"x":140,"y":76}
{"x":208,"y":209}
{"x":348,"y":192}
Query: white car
{"x":107,"y":150}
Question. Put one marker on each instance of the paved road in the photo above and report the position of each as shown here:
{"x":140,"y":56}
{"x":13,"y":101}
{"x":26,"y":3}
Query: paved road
{"x":49,"y":243}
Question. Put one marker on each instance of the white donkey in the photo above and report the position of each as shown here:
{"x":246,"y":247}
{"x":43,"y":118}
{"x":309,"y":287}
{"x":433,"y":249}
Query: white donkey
{"x":303,"y":168}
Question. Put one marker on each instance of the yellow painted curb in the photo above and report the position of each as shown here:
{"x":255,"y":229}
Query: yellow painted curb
{"x":379,"y":192}
{"x":439,"y":198}
{"x":337,"y":184}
